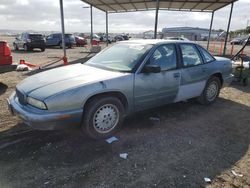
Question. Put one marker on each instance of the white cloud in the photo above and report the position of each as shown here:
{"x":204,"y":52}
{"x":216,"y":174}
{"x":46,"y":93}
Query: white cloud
{"x":22,"y":2}
{"x":45,"y":15}
{"x":2,"y":6}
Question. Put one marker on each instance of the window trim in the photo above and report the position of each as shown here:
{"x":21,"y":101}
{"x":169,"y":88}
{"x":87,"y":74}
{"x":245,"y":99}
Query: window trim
{"x":199,"y":47}
{"x":197,"y":50}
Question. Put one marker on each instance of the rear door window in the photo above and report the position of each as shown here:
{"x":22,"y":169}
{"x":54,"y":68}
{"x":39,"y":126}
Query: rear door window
{"x":190,"y":55}
{"x":207,"y":56}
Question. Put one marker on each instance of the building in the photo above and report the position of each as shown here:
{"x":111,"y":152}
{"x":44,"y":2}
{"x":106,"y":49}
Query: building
{"x":191,"y":33}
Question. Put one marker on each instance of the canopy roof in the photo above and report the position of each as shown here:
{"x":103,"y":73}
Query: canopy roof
{"x":115,"y":6}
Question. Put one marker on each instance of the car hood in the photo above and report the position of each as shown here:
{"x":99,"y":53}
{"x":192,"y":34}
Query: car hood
{"x":218,"y":58}
{"x":48,"y":83}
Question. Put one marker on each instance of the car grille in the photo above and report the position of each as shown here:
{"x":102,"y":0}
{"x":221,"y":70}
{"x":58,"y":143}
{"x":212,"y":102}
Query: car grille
{"x":21,"y":97}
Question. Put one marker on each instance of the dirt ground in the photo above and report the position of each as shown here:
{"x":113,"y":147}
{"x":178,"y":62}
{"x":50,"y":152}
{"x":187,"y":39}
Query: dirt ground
{"x":189,"y":143}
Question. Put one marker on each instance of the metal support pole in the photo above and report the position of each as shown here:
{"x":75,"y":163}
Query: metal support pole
{"x":156,"y":18}
{"x":228,"y":26}
{"x":91,"y":24}
{"x":107,"y":29}
{"x":209,"y":35}
{"x":63,"y":31}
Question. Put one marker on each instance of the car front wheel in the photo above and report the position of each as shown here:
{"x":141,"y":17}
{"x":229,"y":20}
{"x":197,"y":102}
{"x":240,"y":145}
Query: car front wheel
{"x":103,"y":117}
{"x":25,"y":47}
{"x":211,"y":91}
{"x":15,"y":47}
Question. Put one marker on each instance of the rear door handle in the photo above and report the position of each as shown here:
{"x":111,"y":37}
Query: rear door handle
{"x":176,"y":75}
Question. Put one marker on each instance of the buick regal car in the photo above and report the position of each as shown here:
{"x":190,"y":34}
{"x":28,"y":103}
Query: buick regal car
{"x":128,"y":77}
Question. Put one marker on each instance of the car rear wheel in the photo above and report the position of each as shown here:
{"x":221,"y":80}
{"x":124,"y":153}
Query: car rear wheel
{"x":103,"y":117}
{"x":211,"y":91}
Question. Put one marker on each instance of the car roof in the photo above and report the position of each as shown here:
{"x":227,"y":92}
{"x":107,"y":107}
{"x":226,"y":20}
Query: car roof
{"x":155,"y":41}
{"x":30,"y":33}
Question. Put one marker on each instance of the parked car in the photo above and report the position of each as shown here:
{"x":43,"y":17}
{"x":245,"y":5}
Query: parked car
{"x":119,"y":38}
{"x":237,"y":41}
{"x":125,"y":37}
{"x":110,"y":39}
{"x":96,"y":37}
{"x":121,"y":80}
{"x":55,"y":39}
{"x":246,"y":41}
{"x":80,"y":41}
{"x":29,"y":41}
{"x":6,"y":63}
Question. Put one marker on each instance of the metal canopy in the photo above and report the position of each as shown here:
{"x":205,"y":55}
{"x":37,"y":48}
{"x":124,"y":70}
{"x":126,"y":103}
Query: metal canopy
{"x":116,"y":6}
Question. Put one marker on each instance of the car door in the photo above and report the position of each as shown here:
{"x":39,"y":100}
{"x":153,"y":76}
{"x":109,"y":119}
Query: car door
{"x":49,"y":40}
{"x":57,"y":39}
{"x":193,"y":73}
{"x":19,"y":41}
{"x":155,"y":89}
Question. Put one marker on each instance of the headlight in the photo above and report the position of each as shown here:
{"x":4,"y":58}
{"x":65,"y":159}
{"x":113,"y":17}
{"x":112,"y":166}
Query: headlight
{"x":36,"y":103}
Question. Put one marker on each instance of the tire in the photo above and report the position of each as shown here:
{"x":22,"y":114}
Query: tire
{"x":60,"y":44}
{"x":15,"y":47}
{"x":109,"y":111}
{"x":25,"y":47}
{"x":211,"y":91}
{"x":42,"y":49}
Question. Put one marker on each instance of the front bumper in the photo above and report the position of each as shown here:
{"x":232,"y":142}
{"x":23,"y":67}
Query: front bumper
{"x":44,"y":119}
{"x":7,"y":68}
{"x":228,"y":80}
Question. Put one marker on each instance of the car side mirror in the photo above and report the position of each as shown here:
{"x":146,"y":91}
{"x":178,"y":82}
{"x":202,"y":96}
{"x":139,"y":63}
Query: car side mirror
{"x":151,"y":69}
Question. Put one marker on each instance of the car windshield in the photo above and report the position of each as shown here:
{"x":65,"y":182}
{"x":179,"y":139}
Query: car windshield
{"x":35,"y":36}
{"x":121,"y":57}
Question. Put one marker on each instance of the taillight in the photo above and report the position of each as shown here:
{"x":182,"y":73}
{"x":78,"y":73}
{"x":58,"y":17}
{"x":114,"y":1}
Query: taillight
{"x":5,"y":54}
{"x":6,"y":50}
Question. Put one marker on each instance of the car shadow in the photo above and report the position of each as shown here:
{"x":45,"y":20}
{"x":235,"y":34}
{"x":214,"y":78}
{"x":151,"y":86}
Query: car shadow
{"x":163,"y":145}
{"x":240,"y":86}
{"x":3,"y":88}
{"x":26,"y":52}
{"x":59,"y":48}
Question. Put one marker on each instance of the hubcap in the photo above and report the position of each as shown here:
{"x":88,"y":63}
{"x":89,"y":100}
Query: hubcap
{"x":212,"y":91}
{"x":106,"y":118}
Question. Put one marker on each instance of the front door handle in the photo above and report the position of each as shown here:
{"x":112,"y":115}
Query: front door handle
{"x":176,"y":75}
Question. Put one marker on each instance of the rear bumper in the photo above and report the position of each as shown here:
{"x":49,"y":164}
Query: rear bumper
{"x":228,"y":80}
{"x":43,"y":119}
{"x":34,"y":45}
{"x":7,"y":68}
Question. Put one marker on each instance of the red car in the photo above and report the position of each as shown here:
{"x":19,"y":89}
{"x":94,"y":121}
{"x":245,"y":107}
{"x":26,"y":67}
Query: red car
{"x":80,"y":41}
{"x":6,"y":58}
